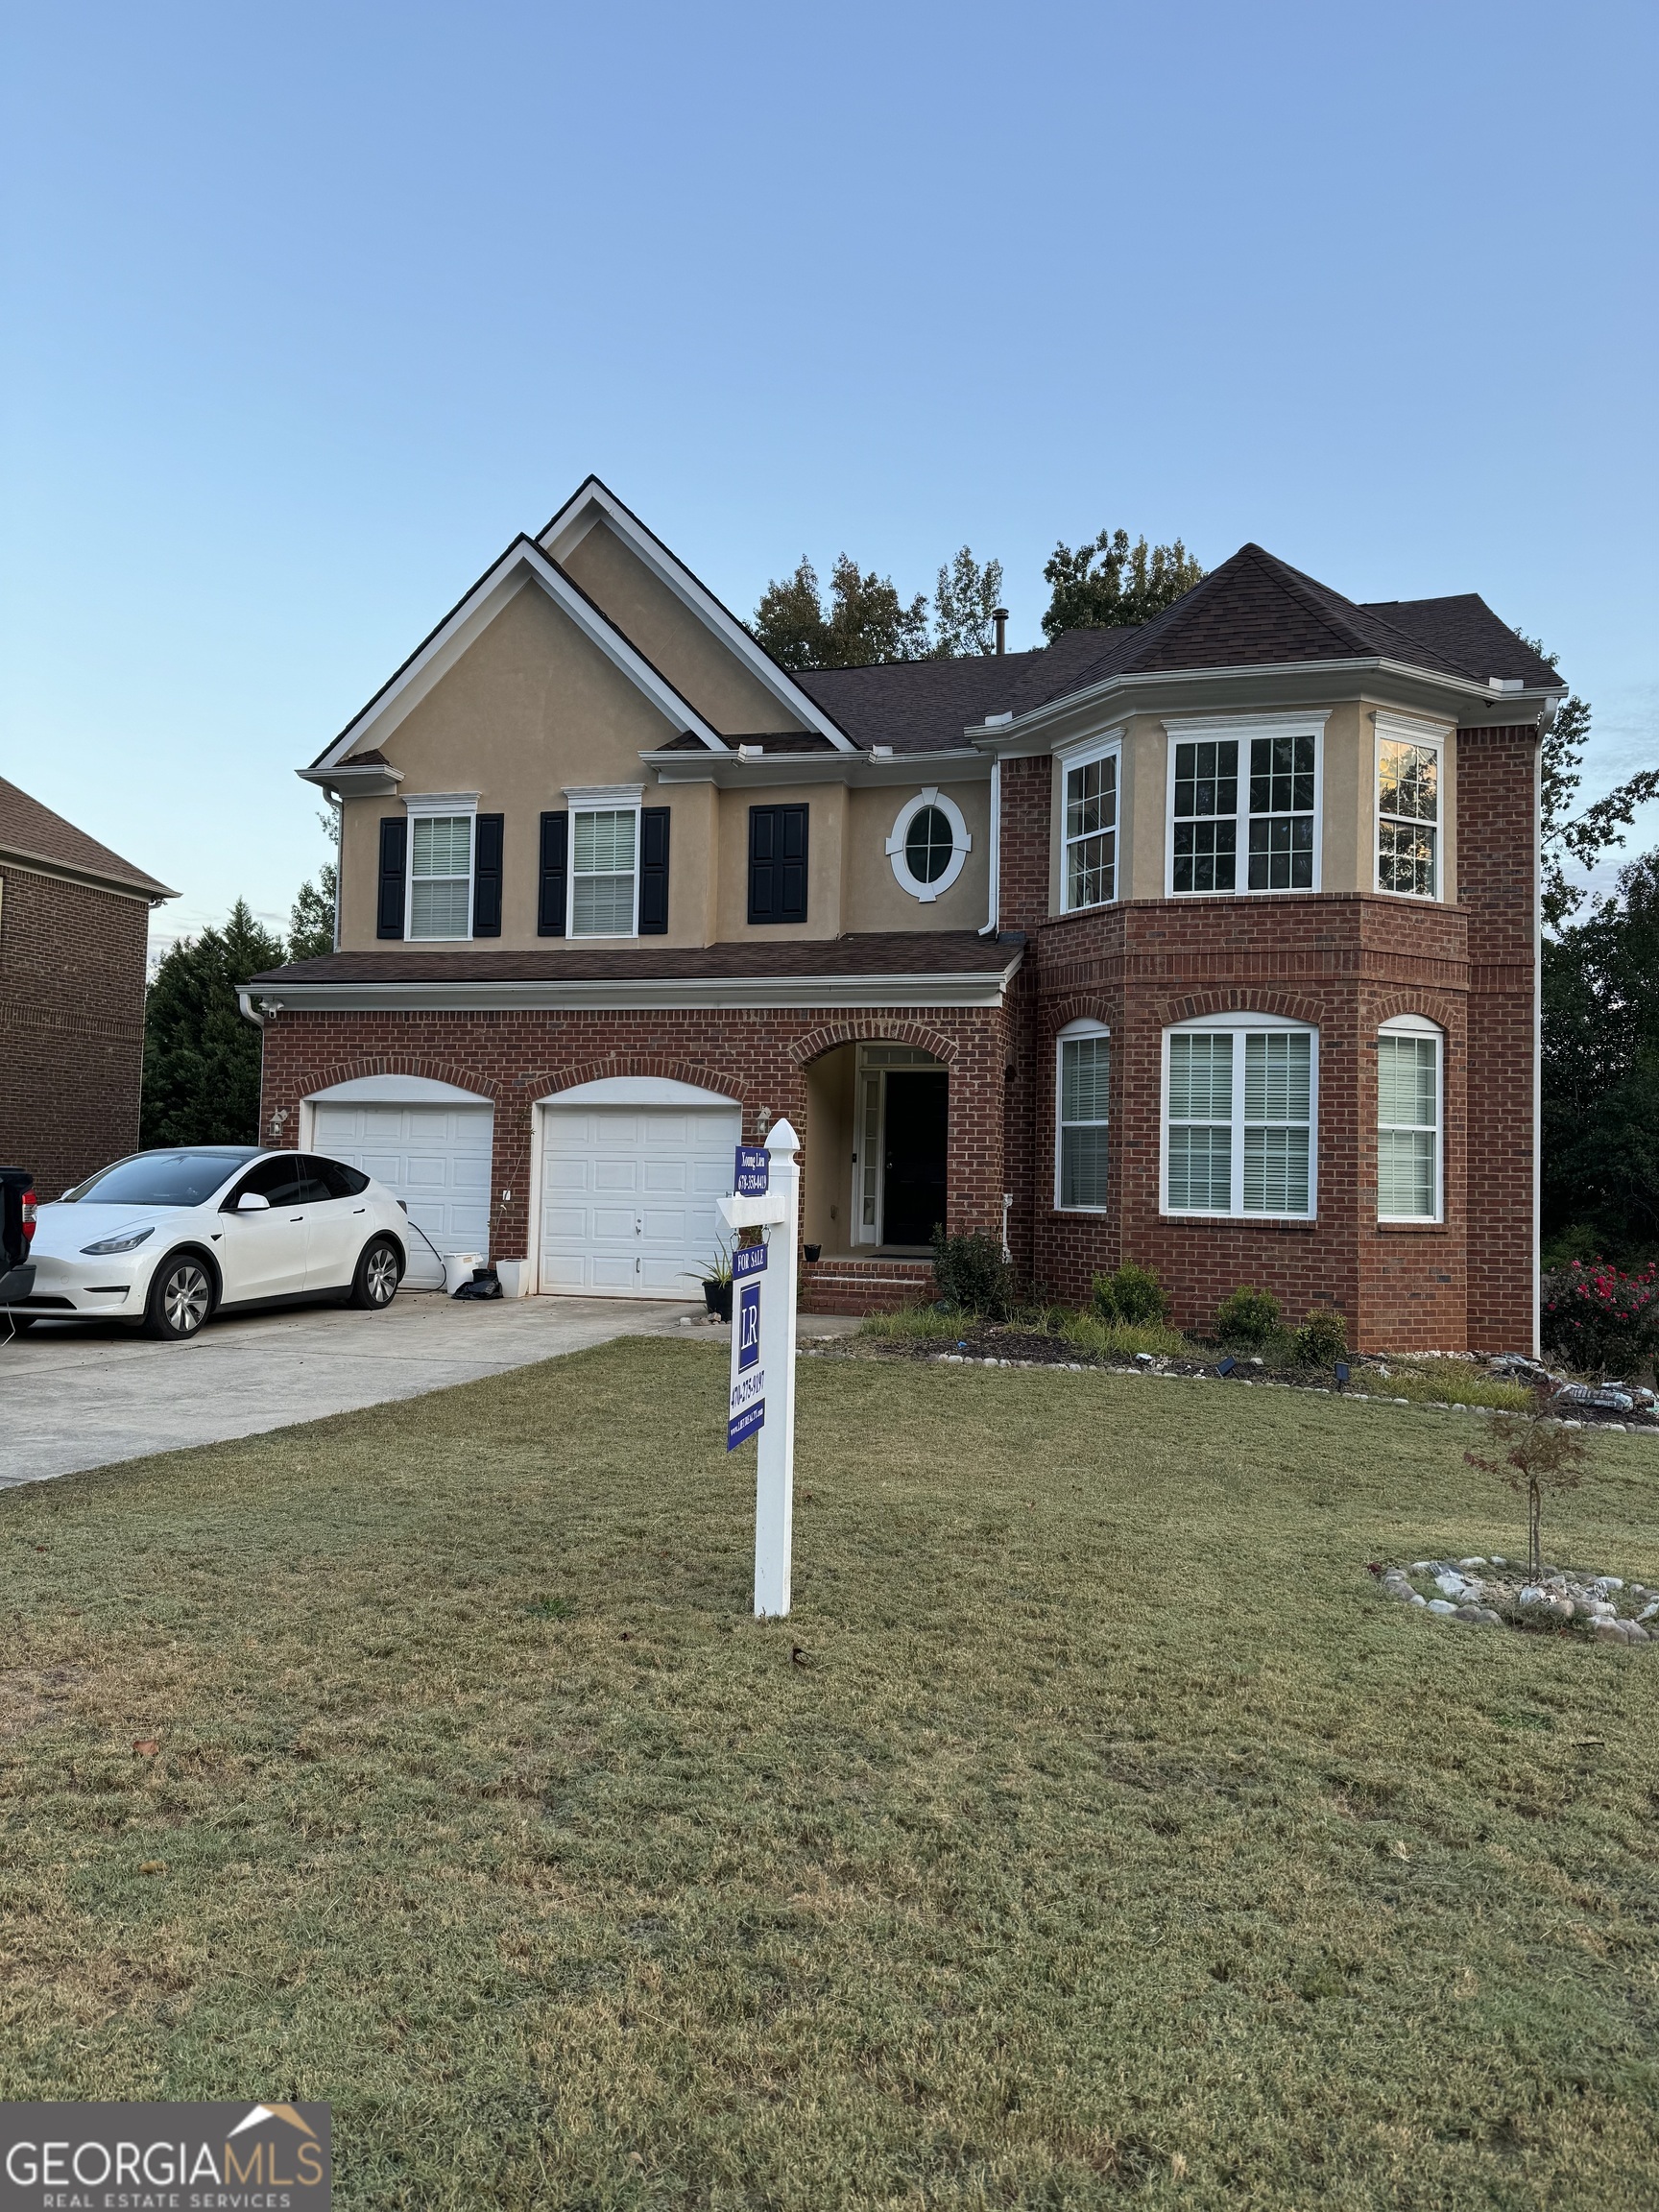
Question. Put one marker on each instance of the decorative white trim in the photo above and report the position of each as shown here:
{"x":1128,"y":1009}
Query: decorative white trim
{"x":1414,"y":729}
{"x":961,"y":845}
{"x":443,"y":802}
{"x":1083,"y":754}
{"x":1085,"y":1026}
{"x":1401,"y":729}
{"x":593,"y":502}
{"x":636,"y":1091}
{"x":396,"y":1091}
{"x":1189,"y":728}
{"x":993,"y":859}
{"x":604,"y":798}
{"x":1409,"y":1025}
{"x":1239,"y":1026}
{"x":521,"y":564}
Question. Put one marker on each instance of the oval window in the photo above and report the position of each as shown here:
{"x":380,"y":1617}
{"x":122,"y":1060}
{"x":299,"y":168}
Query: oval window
{"x":929,"y":845}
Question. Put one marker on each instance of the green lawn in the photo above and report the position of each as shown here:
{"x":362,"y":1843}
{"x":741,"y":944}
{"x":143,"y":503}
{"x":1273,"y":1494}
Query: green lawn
{"x":1111,"y":1836}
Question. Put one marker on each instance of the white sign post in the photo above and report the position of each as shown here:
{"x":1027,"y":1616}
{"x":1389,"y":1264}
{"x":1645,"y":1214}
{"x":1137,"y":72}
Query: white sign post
{"x":763,"y":1399}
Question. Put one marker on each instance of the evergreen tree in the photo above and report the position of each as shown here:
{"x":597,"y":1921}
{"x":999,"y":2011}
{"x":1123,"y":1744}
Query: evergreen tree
{"x":1583,"y":837}
{"x":201,"y":1057}
{"x":311,"y":922}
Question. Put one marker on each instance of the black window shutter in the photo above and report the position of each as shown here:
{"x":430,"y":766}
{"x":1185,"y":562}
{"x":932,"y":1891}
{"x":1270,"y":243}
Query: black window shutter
{"x":778,"y":863}
{"x":487,"y":841}
{"x":792,"y":857}
{"x":555,"y":869}
{"x":393,"y":866}
{"x":653,"y":871}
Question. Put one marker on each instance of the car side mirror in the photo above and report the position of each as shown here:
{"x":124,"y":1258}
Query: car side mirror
{"x":250,"y":1202}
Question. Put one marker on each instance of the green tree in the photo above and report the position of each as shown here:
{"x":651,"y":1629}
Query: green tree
{"x":311,"y":920}
{"x":1581,"y":837}
{"x":1600,"y":1072}
{"x":863,"y":621}
{"x":1108,"y":584}
{"x":965,"y":599}
{"x":201,"y":1057}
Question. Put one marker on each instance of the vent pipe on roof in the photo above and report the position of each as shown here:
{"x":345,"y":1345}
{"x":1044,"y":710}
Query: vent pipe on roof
{"x":999,"y":615}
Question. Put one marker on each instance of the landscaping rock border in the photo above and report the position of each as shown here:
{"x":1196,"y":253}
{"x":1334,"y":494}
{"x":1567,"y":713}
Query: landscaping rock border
{"x":1495,"y":1593}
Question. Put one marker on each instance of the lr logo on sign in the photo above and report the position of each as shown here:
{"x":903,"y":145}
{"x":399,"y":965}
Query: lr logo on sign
{"x":747,"y":1411}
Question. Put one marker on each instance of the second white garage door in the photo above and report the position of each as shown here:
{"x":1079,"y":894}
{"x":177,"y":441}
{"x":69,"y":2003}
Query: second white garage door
{"x":628,"y":1192}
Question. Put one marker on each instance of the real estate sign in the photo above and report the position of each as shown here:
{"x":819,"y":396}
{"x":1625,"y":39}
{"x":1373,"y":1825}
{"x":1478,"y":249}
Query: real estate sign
{"x":746,"y":1411}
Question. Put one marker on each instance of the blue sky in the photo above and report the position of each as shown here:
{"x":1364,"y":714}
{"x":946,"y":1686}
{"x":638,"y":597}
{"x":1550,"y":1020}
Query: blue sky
{"x":307,"y":311}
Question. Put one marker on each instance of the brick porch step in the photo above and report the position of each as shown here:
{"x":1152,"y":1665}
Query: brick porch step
{"x":865,"y":1286}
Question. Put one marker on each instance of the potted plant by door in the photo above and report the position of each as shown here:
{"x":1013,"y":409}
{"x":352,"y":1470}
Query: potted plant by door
{"x":718,"y":1286}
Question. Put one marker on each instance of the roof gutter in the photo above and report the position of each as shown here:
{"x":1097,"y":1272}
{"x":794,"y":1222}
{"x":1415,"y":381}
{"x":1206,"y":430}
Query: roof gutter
{"x":690,"y":994}
{"x":1291,"y":684}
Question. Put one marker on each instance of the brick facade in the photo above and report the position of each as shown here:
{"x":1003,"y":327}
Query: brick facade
{"x":71,"y":1025}
{"x":1343,"y":962}
{"x":758,"y":1058}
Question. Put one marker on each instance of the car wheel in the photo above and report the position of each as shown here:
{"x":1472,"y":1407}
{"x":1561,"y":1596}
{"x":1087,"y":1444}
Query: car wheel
{"x":180,"y":1298}
{"x":378,"y":1274}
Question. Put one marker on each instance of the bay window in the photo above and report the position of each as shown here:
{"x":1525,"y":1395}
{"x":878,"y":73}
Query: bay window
{"x":1240,"y":1098}
{"x":1083,"y":1074}
{"x":1410,"y":1119}
{"x":1088,"y":870}
{"x":1245,"y":805}
{"x":1408,"y":809}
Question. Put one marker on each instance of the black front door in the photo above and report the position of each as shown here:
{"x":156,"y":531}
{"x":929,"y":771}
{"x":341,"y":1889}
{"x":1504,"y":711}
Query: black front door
{"x":913,"y":1192}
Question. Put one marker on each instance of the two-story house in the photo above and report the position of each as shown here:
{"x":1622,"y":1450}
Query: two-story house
{"x":1211,"y":944}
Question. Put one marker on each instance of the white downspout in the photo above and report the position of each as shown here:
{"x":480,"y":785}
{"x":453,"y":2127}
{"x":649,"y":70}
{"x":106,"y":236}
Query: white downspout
{"x":245,"y":1001}
{"x":995,"y":868}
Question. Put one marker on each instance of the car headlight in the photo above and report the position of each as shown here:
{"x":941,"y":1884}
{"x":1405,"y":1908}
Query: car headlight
{"x":130,"y":1243}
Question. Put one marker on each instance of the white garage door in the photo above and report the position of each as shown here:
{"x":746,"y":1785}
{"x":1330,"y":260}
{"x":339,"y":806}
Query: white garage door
{"x":436,"y":1158}
{"x":628,"y":1196}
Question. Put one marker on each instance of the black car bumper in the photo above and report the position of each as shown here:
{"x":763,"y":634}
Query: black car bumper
{"x":16,"y":1285}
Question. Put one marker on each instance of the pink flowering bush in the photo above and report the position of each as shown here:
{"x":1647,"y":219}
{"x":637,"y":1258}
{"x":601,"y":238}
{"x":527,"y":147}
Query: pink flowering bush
{"x":1599,"y":1320}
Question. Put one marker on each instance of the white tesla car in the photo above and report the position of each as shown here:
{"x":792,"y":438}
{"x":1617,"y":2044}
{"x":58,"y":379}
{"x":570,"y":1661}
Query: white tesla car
{"x":166,"y":1239}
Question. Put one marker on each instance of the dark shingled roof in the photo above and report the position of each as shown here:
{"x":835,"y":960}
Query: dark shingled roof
{"x":870,"y":953}
{"x":31,"y":832}
{"x":1254,"y":610}
{"x":1465,"y":629}
{"x":923,"y":706}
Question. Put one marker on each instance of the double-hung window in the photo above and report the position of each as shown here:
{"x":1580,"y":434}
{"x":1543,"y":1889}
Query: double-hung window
{"x":1245,"y":806}
{"x":1090,"y":867}
{"x":1239,"y":1118}
{"x":605,"y":861}
{"x":439,"y":867}
{"x":1407,"y":810}
{"x":1083,"y":1075}
{"x":1409,"y":1059}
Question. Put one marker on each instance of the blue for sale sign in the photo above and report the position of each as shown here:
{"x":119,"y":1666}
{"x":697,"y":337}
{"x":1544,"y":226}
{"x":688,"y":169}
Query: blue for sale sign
{"x":752,"y":1177}
{"x":746,"y":1410}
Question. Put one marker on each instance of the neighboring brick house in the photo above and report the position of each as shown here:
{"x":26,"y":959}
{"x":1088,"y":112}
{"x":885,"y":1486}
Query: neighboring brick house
{"x":1211,"y":944}
{"x":74,"y":929}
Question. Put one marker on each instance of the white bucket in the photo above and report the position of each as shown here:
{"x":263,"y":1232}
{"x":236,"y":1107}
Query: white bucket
{"x":458,"y":1268}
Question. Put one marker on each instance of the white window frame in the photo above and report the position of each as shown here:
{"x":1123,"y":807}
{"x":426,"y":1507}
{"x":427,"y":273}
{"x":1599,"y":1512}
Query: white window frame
{"x":1419,"y":1025}
{"x":1085,"y":756}
{"x":1239,"y":1026}
{"x":432,"y":805}
{"x":961,"y":845}
{"x":1240,"y":730}
{"x":1401,"y":730}
{"x":600,"y":799}
{"x":1073,"y":1031}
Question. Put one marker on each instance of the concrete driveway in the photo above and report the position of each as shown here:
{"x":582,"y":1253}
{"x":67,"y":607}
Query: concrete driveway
{"x":73,"y":1397}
